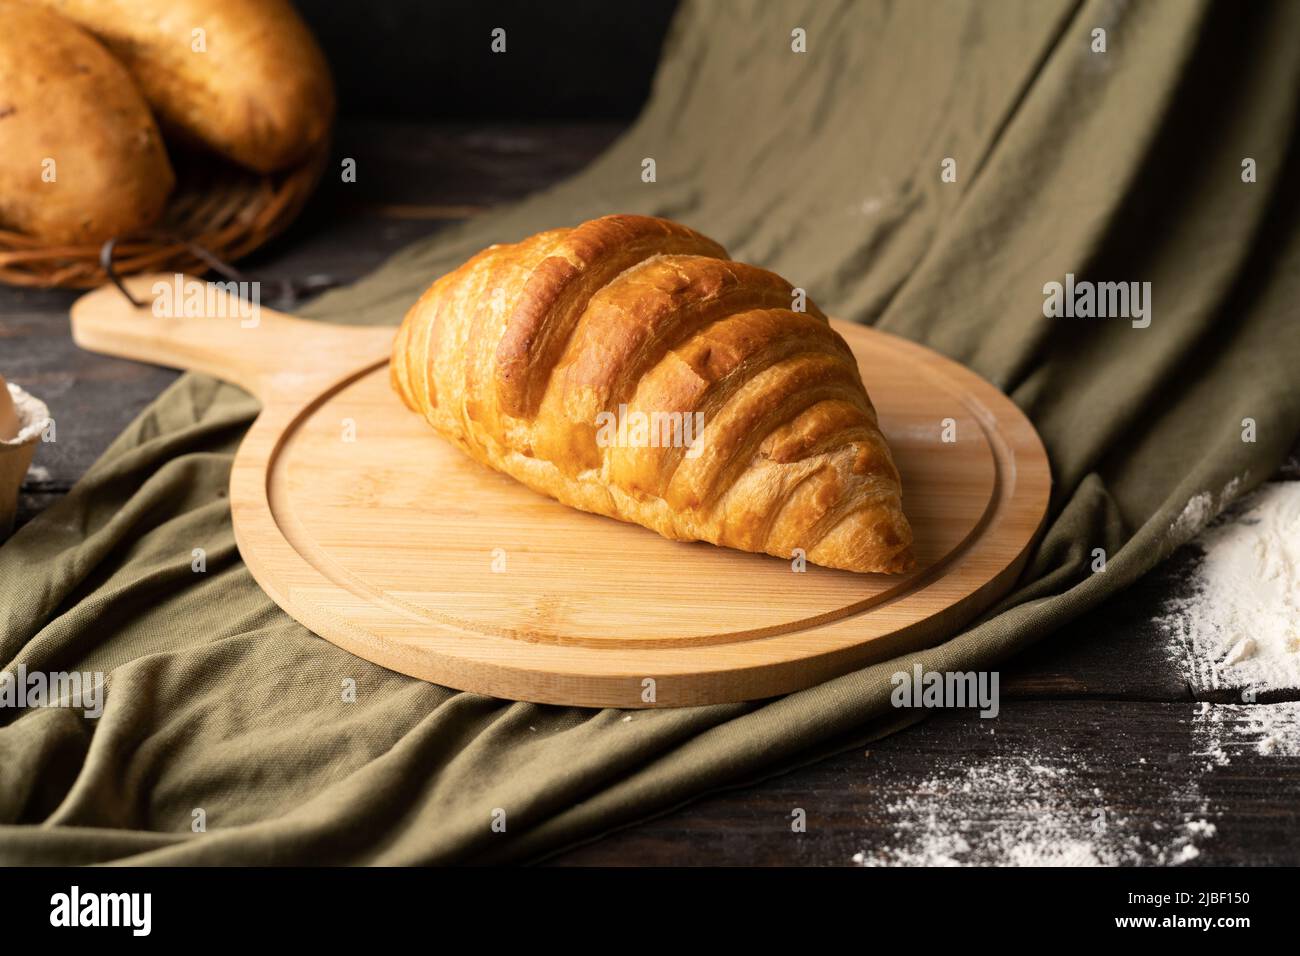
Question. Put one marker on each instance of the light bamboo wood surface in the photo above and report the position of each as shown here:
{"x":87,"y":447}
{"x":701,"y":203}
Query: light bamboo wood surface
{"x":367,"y":527}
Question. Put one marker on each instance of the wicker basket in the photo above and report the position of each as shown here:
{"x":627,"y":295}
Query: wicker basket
{"x":226,"y":210}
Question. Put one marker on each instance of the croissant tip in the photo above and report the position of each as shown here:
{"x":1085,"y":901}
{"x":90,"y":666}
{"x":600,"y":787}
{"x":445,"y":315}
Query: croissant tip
{"x":900,"y":563}
{"x":903,"y":561}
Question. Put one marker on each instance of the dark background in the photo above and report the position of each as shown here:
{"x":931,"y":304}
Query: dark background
{"x":432,"y":59}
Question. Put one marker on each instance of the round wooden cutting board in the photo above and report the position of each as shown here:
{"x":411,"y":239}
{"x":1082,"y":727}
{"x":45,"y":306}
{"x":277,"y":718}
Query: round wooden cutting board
{"x":362,"y":523}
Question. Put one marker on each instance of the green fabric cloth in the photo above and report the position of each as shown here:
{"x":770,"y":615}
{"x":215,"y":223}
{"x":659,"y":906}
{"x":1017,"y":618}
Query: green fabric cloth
{"x":824,"y":166}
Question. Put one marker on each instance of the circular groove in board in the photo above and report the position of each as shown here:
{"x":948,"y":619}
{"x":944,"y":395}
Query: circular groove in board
{"x":436,"y":523}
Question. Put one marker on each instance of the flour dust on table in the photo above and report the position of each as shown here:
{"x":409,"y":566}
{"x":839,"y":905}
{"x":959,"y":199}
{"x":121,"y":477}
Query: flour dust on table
{"x":1239,"y":625}
{"x":1237,"y":629}
{"x":1038,"y":808}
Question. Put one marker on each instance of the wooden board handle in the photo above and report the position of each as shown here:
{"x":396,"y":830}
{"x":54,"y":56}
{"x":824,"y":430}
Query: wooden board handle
{"x":204,"y":327}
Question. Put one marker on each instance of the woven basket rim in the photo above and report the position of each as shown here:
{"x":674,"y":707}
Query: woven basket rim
{"x":238,"y":212}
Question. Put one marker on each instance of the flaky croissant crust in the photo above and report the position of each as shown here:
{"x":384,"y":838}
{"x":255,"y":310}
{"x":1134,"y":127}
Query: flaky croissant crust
{"x":524,"y":354}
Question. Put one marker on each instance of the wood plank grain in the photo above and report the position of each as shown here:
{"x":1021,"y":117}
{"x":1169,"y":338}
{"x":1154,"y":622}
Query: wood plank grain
{"x":1073,"y":781}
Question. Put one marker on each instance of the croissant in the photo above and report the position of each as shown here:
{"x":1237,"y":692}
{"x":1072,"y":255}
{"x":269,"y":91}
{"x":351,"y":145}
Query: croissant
{"x":628,"y":367}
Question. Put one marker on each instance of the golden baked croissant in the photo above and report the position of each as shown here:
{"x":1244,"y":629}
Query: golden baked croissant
{"x":627,"y":367}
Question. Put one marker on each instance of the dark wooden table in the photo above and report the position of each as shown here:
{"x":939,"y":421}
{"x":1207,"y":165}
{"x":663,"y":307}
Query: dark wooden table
{"x":1105,"y":751}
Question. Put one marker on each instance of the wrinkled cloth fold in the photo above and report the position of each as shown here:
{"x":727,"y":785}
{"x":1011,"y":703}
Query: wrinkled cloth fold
{"x":225,"y":716}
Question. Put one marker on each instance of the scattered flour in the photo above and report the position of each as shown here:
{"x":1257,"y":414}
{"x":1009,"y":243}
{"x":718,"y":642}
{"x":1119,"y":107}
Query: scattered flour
{"x":1195,"y":515}
{"x":1201,"y":509}
{"x":31,"y":413}
{"x":1267,"y":729}
{"x":1024,"y":811}
{"x":1239,"y":626}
